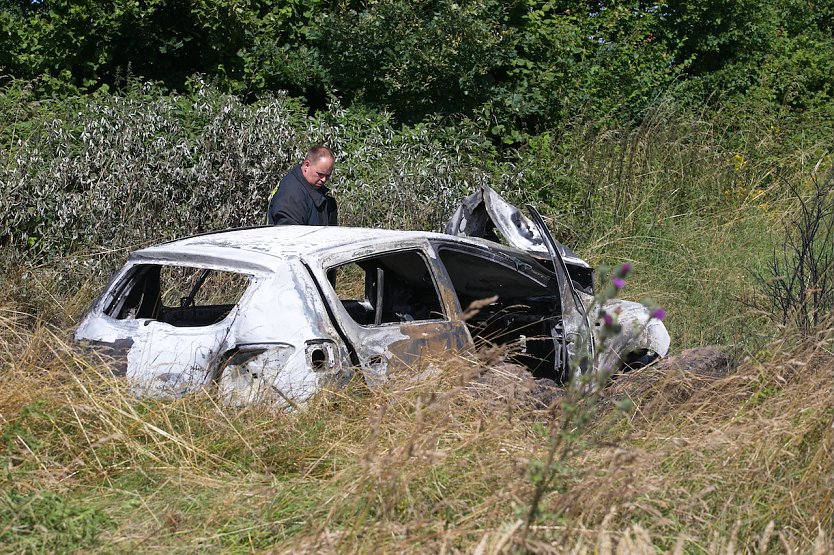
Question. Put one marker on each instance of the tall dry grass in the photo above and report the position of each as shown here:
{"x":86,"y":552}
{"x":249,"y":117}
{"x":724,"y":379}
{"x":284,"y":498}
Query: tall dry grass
{"x":441,"y":464}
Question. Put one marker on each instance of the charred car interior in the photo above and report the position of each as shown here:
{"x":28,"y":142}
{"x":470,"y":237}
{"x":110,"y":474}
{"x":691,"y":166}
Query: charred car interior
{"x":396,"y":287}
{"x":180,"y":296}
{"x":524,"y":313}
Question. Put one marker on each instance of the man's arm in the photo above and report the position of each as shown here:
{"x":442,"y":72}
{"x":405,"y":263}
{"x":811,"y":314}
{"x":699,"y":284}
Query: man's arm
{"x":332,"y":211}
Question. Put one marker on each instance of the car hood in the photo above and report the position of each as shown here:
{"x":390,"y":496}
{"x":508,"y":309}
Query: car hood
{"x":485,"y":211}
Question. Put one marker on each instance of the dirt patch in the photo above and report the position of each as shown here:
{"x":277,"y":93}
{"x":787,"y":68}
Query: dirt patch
{"x":512,"y":384}
{"x":671,"y":380}
{"x":710,"y":361}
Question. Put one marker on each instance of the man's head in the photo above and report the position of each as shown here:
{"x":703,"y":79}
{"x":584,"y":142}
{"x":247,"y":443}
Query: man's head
{"x":317,"y":166}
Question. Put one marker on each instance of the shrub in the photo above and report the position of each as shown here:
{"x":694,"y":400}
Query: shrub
{"x":110,"y":172}
{"x":798,"y":283}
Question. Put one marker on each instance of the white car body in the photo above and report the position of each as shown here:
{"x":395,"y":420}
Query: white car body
{"x":301,"y":307}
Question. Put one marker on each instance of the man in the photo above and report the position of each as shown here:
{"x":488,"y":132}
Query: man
{"x":302,"y":198}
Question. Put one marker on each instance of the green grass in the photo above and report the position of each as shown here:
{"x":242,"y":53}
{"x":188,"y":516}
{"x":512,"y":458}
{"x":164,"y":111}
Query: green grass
{"x":44,"y":521}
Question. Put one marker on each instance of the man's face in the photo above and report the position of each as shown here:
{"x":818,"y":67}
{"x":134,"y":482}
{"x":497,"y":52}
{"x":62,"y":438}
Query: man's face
{"x":317,"y":173}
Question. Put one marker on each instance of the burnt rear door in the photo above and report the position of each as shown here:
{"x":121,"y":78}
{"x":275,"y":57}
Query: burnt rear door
{"x":392,"y":309}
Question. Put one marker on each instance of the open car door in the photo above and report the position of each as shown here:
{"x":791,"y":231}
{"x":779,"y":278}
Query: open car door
{"x":483,"y":213}
{"x":575,"y":342}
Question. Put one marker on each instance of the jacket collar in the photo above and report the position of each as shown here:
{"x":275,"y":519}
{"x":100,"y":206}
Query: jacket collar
{"x":318,"y":196}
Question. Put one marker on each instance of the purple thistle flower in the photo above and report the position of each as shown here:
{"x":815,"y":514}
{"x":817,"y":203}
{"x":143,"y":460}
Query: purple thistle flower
{"x":658,"y":313}
{"x":625,"y":269}
{"x":608,"y":319}
{"x":619,"y":283}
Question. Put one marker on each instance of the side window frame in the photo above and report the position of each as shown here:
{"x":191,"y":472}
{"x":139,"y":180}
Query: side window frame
{"x":377,"y":302}
{"x":114,"y":305}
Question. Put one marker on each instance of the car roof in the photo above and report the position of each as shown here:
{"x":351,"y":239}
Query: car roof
{"x":291,"y":241}
{"x":264,"y":243}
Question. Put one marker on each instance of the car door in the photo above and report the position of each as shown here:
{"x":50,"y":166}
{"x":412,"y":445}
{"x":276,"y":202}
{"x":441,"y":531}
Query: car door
{"x":392,"y":308}
{"x":575,"y":339}
{"x":483,"y":213}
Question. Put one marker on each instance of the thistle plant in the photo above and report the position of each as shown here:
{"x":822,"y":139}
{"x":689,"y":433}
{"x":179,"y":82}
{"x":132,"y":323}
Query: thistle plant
{"x":570,"y":415}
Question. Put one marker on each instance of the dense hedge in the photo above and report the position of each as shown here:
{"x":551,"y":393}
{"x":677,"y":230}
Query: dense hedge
{"x":147,"y":166}
{"x":111,"y":171}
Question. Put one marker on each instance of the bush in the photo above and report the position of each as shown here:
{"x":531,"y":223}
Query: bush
{"x":120,"y":171}
{"x":127,"y":170}
{"x":799,"y":281}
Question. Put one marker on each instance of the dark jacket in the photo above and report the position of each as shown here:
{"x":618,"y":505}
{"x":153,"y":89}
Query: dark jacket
{"x":298,"y":203}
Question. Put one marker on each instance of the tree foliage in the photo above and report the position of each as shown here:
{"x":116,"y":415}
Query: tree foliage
{"x":85,"y":44}
{"x":417,"y":57}
{"x":518,"y":67}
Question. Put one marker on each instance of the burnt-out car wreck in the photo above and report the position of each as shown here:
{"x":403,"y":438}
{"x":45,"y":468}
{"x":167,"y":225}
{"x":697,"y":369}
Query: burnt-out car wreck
{"x":275,"y":313}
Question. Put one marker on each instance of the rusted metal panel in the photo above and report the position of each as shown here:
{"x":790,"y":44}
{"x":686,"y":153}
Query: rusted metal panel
{"x":428,"y":340}
{"x":113,"y":354}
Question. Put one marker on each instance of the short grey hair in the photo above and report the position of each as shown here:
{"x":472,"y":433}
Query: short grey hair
{"x":319,"y":152}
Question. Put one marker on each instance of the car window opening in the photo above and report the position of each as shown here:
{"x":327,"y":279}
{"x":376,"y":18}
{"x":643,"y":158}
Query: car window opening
{"x":393,"y":288}
{"x":180,"y":296}
{"x":525,"y":315}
